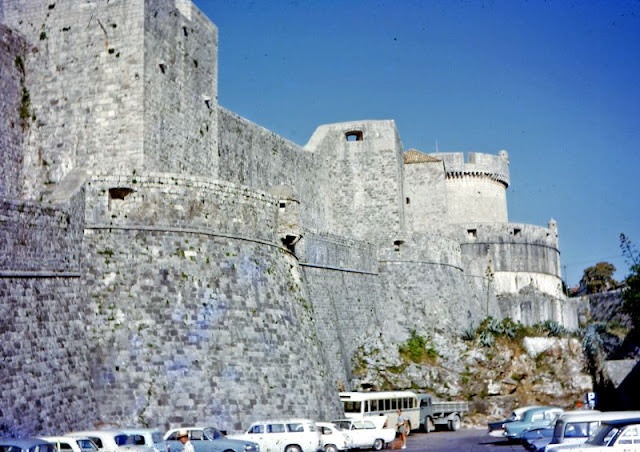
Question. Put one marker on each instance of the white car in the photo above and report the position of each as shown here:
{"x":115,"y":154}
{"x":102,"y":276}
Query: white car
{"x":289,"y":435}
{"x":364,"y":434}
{"x":110,"y":440}
{"x":619,"y":435}
{"x":71,"y":444}
{"x":332,"y":438}
{"x":150,"y":437}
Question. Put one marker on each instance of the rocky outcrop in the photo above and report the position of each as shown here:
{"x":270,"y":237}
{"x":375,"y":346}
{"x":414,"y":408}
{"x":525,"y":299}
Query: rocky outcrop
{"x":535,"y":370}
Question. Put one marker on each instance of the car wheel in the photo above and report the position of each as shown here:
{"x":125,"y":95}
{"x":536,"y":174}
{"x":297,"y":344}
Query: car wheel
{"x":292,"y":448}
{"x":330,"y":448}
{"x":378,"y":444}
{"x":454,"y":423}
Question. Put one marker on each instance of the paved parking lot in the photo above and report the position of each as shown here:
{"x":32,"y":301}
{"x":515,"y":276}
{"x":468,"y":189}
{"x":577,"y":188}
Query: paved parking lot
{"x":475,"y":440}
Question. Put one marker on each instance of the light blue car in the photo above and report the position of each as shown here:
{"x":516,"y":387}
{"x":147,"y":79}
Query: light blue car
{"x":532,"y":418}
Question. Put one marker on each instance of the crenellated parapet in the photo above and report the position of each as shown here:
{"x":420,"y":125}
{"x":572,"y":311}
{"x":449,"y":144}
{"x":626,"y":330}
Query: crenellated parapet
{"x":495,"y":167}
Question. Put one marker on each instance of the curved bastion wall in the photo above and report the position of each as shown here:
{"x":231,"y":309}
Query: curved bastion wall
{"x":344,"y":286}
{"x":424,"y":285}
{"x":197,"y":313}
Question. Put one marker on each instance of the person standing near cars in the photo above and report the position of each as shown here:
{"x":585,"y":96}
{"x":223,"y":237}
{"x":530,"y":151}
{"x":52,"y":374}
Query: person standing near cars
{"x":401,"y":427}
{"x":183,"y":437}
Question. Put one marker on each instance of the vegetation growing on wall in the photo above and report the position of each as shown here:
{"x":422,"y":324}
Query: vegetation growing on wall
{"x":418,"y":349}
{"x":25,"y":101}
{"x":492,"y":329}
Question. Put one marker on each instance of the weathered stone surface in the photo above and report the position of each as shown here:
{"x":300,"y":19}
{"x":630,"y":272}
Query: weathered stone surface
{"x":165,"y":261}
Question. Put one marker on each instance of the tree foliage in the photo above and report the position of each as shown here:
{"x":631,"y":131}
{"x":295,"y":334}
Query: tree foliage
{"x":598,"y":278}
{"x":631,"y":291}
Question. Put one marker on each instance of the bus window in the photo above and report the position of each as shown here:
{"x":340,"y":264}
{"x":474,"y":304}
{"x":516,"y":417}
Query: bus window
{"x":352,"y":407}
{"x":394,"y":404}
{"x":374,"y":405}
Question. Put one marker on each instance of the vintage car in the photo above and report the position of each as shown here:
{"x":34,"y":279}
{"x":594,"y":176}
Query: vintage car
{"x":496,"y":428}
{"x":536,"y":439}
{"x":287,"y":435}
{"x":208,"y":439}
{"x":26,"y":445}
{"x":542,"y":416}
{"x":364,"y":434}
{"x":332,"y":438}
{"x":149,"y":437}
{"x":616,"y":435}
{"x":109,"y":440}
{"x":71,"y":444}
{"x":574,"y":428}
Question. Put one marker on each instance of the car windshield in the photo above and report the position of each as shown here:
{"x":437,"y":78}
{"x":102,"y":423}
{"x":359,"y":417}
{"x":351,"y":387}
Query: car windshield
{"x":603,"y":435}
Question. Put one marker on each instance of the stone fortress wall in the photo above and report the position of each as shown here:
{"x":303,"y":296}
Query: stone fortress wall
{"x":166,"y":261}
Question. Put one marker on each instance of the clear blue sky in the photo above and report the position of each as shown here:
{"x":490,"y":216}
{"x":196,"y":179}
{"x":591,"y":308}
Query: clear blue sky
{"x":556,"y":83}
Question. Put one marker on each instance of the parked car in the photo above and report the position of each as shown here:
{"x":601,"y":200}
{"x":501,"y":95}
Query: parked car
{"x":364,"y":434}
{"x":536,"y":439}
{"x":208,"y":439}
{"x":109,"y":440}
{"x":575,"y":428}
{"x":290,"y":435}
{"x":614,"y":435}
{"x":71,"y":444}
{"x":26,"y":445}
{"x":149,"y":437}
{"x":332,"y":438}
{"x":534,"y":417}
{"x":496,"y":428}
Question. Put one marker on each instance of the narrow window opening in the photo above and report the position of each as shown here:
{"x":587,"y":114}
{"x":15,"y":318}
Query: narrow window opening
{"x":207,"y":102}
{"x":283,"y":205}
{"x":162,"y":67}
{"x":184,"y":30}
{"x":396,"y":244}
{"x":472,"y":233}
{"x":289,"y":241}
{"x":353,"y":135}
{"x":516,"y":232}
{"x":408,"y":200}
{"x":119,"y":192}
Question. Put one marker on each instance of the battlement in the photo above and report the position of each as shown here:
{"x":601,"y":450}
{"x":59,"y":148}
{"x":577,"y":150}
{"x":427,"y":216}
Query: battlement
{"x":477,"y":165}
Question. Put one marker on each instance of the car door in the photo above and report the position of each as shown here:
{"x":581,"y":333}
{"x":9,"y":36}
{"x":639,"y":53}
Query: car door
{"x":277,"y":436}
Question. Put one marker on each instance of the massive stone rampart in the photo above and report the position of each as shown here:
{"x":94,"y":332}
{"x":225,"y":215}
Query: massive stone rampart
{"x":202,"y":268}
{"x":194,"y":307}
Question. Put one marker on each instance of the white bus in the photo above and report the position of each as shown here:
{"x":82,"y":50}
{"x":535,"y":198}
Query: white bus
{"x":381,"y":407}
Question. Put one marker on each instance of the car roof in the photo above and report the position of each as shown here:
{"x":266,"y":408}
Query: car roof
{"x":99,"y":433}
{"x":64,"y":438}
{"x":599,"y":416}
{"x":23,"y":443}
{"x":281,"y":421}
{"x":621,"y":422}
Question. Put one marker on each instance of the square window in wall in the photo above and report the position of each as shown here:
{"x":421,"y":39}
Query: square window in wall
{"x":472,"y":233}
